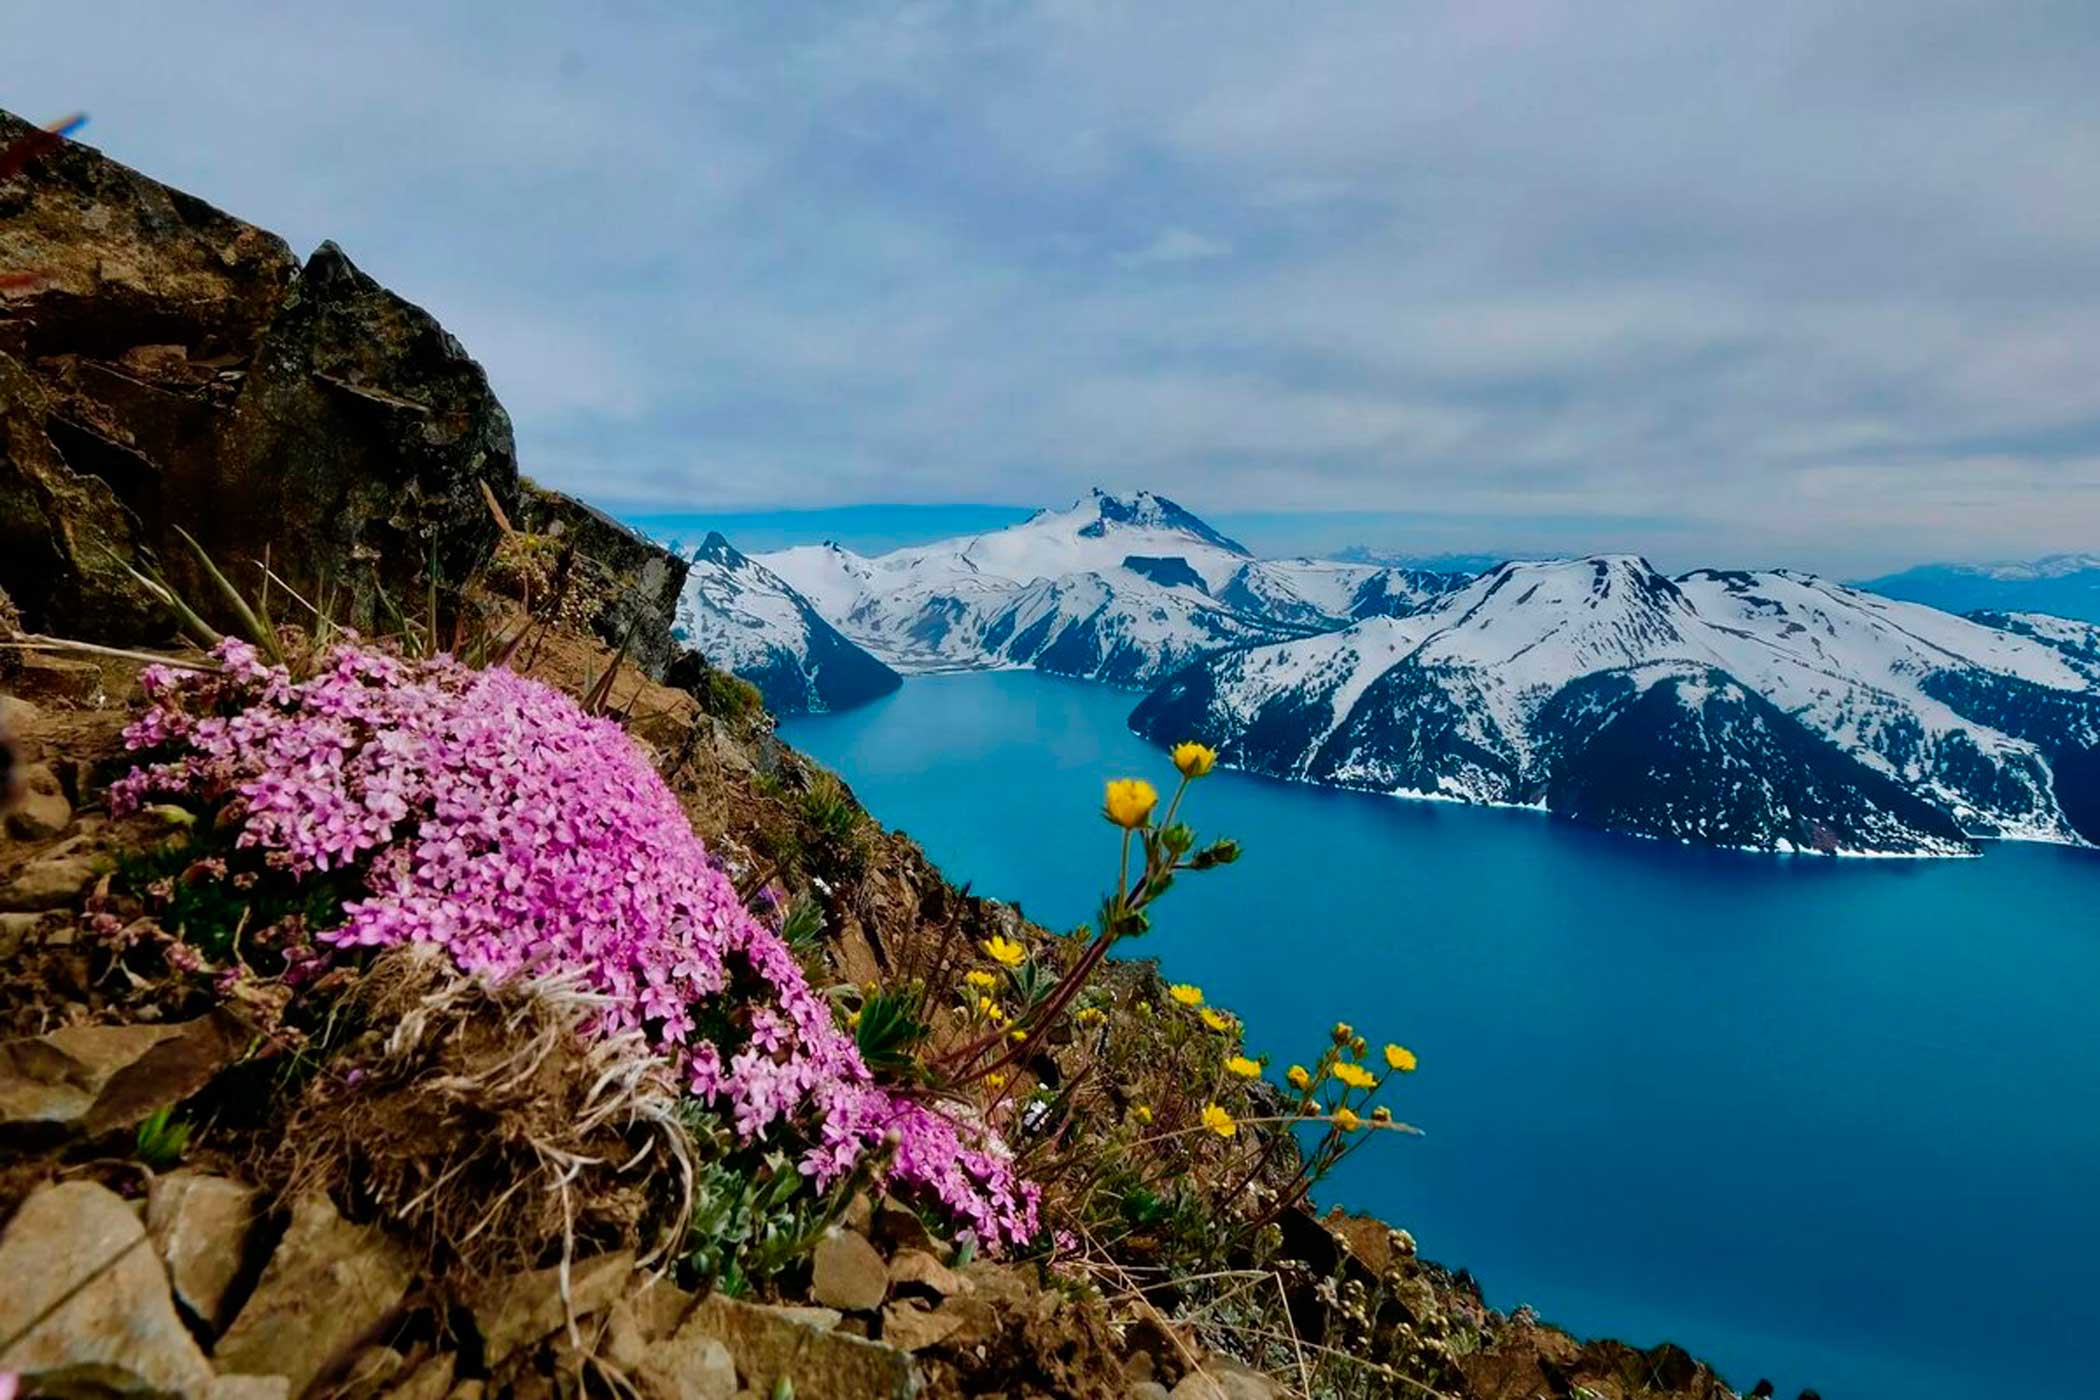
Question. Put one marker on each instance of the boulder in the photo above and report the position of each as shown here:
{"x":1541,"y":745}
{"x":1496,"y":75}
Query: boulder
{"x":521,"y":1310}
{"x":49,"y":883}
{"x":326,"y":1290}
{"x":119,"y":1332}
{"x":358,"y":447}
{"x":915,"y":1270}
{"x":769,"y":1348}
{"x":93,"y":1079}
{"x":688,"y":1366}
{"x":847,"y":1273}
{"x":912,"y":1324}
{"x":432,"y":1380}
{"x":41,"y":809}
{"x":201,"y":1225}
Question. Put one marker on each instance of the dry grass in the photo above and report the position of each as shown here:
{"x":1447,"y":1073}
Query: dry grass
{"x":483,"y":1126}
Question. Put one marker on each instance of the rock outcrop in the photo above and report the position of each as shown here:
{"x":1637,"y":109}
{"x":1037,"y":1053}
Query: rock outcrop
{"x":168,"y":366}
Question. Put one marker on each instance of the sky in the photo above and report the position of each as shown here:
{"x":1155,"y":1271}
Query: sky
{"x":1810,"y":284}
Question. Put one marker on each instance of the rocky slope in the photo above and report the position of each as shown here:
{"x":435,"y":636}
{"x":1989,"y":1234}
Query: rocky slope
{"x":746,"y":619}
{"x":1774,"y":711}
{"x":1119,"y":589}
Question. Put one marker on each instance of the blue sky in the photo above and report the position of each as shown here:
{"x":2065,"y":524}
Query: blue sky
{"x":1798,"y":283}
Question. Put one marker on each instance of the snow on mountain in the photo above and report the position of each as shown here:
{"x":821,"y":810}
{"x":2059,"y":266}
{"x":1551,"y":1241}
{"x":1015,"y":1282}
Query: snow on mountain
{"x":744,"y":618}
{"x":1821,"y":717}
{"x":1120,"y":589}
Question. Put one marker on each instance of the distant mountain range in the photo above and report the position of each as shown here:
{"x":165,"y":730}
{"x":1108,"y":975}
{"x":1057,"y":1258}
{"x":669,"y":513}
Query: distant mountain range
{"x":1768,"y":710}
{"x":1120,"y":589}
{"x":2067,"y":585}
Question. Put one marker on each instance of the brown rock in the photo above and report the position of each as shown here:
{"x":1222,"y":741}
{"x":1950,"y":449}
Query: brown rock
{"x":847,"y":1273}
{"x":41,"y":810}
{"x":369,"y":1372}
{"x":200,"y":1226}
{"x":93,"y":1079}
{"x":659,"y":1308}
{"x":430,"y":1381}
{"x":897,"y":1227}
{"x":119,"y":1332}
{"x":769,"y":1348}
{"x":248,"y":1388}
{"x":912,"y":1325}
{"x":530,"y":1306}
{"x":916,"y":1269}
{"x":326,"y":1290}
{"x":687,"y":1367}
{"x":48,"y":884}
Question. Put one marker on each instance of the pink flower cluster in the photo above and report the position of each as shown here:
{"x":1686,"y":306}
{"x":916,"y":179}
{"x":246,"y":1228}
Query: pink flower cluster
{"x":487,"y":814}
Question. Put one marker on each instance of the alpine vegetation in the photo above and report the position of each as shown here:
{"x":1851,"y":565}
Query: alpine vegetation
{"x":487,"y":815}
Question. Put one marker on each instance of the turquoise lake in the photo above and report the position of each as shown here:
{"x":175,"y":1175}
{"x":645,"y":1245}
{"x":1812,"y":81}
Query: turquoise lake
{"x":1836,"y":1123}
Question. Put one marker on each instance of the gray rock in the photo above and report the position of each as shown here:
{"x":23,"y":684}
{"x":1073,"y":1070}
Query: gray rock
{"x":120,"y":1331}
{"x":48,"y":884}
{"x":41,"y":810}
{"x":848,"y":1274}
{"x":200,"y":1226}
{"x":326,"y":1290}
{"x":530,"y":1306}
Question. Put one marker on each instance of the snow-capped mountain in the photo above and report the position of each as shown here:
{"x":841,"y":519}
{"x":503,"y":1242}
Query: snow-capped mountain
{"x":1772,"y":710}
{"x":743,"y":618}
{"x":1121,"y":589}
{"x":2067,"y":585}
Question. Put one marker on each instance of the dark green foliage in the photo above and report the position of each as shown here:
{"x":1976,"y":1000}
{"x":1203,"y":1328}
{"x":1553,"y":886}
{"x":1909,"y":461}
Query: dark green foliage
{"x":162,"y":1139}
{"x":889,"y":1035}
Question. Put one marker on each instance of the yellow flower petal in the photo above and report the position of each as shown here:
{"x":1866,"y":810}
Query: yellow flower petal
{"x":1242,"y":1066}
{"x":1193,"y":759}
{"x":1005,"y":951}
{"x":1186,"y":994}
{"x":1219,"y":1121}
{"x":1345,"y":1120}
{"x":1215,"y":1021}
{"x":1400,"y":1058}
{"x":1299,"y":1078}
{"x":1130,"y":802}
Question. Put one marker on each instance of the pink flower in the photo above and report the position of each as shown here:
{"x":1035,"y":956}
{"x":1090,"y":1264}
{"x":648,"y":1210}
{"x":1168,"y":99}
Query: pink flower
{"x":487,"y":815}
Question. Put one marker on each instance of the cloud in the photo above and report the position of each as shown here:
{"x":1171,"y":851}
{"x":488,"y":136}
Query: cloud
{"x":1175,"y":245}
{"x":1789,"y":283}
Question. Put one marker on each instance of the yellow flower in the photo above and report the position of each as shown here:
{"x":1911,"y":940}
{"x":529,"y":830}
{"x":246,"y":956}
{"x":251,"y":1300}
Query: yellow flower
{"x":1144,"y":1008}
{"x":1299,"y":1078}
{"x":995,"y":1081}
{"x":1090,"y":1016}
{"x":1345,"y":1120}
{"x":1242,"y":1066}
{"x":1185,"y":994}
{"x":1004,"y":951}
{"x":1193,"y":759}
{"x":1342,"y":1032}
{"x":1400,"y":1058}
{"x":1214,"y":1020}
{"x":1018,"y":1035}
{"x":1219,"y":1121}
{"x":853,"y":1020}
{"x":1141,"y":1112}
{"x":980,"y":979}
{"x":1130,"y":802}
{"x":991,"y":1010}
{"x":1381,"y":1114}
{"x":1355,"y":1076}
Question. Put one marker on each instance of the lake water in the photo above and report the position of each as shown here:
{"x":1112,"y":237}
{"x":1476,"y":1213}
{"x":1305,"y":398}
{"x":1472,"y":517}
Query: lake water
{"x":1832,"y":1122}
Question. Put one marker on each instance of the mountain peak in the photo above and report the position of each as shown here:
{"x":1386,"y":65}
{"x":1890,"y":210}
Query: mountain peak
{"x":1147,"y":510}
